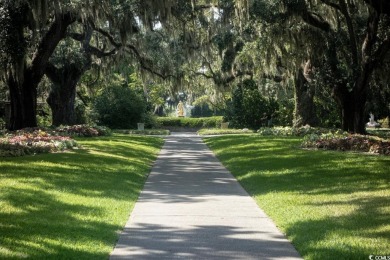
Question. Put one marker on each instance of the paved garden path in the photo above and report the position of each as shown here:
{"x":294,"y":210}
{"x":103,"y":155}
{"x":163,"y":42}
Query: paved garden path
{"x":192,"y":208}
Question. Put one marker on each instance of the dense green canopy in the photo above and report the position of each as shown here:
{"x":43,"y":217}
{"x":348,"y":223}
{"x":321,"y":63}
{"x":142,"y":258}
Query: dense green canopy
{"x":336,"y":51}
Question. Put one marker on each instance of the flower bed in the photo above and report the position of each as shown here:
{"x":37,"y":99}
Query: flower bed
{"x":83,"y":130}
{"x":345,"y":142}
{"x":33,"y":141}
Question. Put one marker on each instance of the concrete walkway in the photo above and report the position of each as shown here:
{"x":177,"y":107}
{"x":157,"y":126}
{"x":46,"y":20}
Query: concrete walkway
{"x":193,"y":208}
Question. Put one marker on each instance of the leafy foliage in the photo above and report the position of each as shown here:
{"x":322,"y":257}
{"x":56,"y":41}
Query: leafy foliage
{"x":248,"y":108}
{"x":201,"y":110}
{"x":119,"y":106}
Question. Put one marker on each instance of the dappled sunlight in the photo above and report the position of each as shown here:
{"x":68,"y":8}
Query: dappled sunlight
{"x":328,"y":203}
{"x":71,"y":203}
{"x":110,"y":155}
{"x":192,"y":207}
{"x":148,"y":240}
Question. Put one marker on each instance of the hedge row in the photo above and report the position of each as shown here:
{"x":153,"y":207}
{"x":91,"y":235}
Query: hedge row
{"x":202,"y":122}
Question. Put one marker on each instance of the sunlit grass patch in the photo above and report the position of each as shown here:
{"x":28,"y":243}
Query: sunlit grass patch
{"x":331,"y":205}
{"x":72,"y":205}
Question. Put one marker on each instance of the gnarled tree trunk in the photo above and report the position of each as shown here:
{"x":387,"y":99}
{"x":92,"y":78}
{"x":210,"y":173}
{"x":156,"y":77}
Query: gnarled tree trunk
{"x":23,"y":87}
{"x":63,"y":93}
{"x":304,"y":112}
{"x":23,"y":104}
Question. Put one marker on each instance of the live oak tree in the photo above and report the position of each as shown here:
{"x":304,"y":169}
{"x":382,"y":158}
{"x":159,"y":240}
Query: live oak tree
{"x":354,"y":37}
{"x":31,"y":31}
{"x":333,"y":45}
{"x":29,"y":35}
{"x":72,"y":58}
{"x":338,"y":44}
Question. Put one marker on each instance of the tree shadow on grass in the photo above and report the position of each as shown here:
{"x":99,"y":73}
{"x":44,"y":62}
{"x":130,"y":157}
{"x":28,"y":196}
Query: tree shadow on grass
{"x":104,"y":170}
{"x":44,"y":227}
{"x":40,"y":223}
{"x":325,"y":182}
{"x":364,"y":225}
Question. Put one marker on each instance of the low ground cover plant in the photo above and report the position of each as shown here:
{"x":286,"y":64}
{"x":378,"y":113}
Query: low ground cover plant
{"x":216,"y":131}
{"x":295,"y":131}
{"x":331,"y":205}
{"x":381,"y":132}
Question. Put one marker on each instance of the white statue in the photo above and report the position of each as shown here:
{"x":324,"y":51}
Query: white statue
{"x":372,"y":122}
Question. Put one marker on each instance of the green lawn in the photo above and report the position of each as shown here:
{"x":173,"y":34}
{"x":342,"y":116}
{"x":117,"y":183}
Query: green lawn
{"x":331,"y":205}
{"x":72,"y":205}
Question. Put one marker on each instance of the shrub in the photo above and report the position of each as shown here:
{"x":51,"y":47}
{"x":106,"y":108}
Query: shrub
{"x":248,"y":108}
{"x":384,"y":122}
{"x":284,"y":115}
{"x":44,"y":116}
{"x":212,"y":122}
{"x":2,"y":124}
{"x":201,"y":110}
{"x":150,"y":121}
{"x":119,"y":106}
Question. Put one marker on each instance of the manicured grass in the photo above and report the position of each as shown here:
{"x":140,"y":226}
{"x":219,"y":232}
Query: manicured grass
{"x":72,"y":205}
{"x":331,"y":205}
